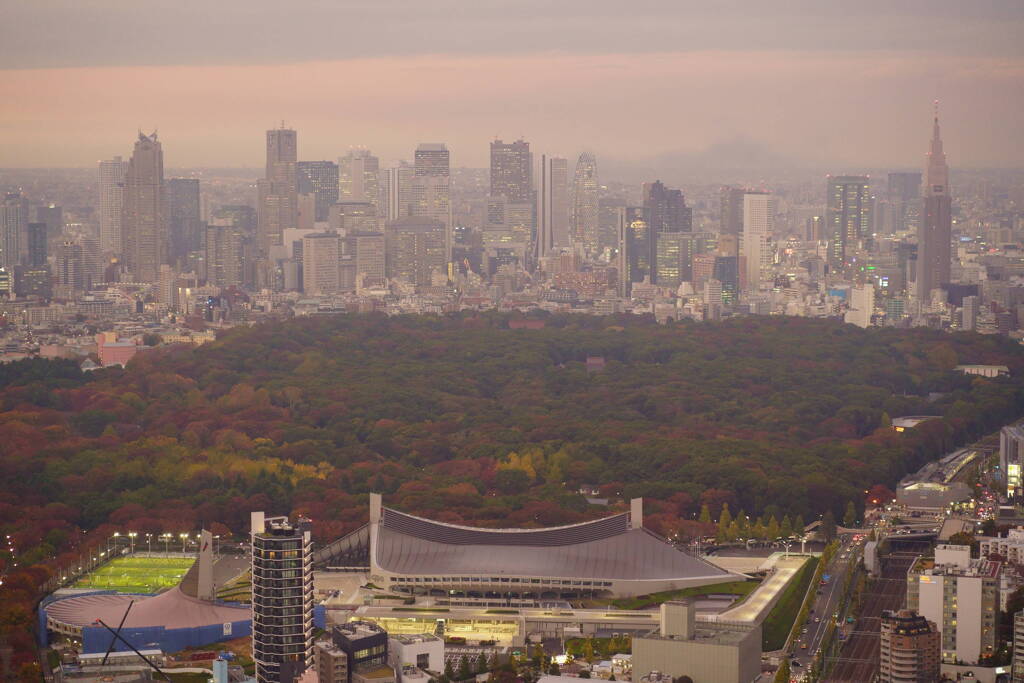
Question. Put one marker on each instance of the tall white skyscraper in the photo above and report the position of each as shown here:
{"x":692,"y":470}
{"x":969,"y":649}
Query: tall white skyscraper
{"x":397,"y":191}
{"x":585,"y":204}
{"x":553,"y":206}
{"x":758,"y":225}
{"x":112,"y":174}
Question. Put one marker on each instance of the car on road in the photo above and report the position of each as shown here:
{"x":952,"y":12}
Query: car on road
{"x":795,"y":663}
{"x":817,"y":619}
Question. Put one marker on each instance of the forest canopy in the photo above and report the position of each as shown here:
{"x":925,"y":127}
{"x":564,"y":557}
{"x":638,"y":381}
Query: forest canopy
{"x":468,"y":420}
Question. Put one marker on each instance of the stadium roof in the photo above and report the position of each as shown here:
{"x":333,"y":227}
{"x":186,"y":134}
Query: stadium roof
{"x":170,"y":609}
{"x":612,"y":548}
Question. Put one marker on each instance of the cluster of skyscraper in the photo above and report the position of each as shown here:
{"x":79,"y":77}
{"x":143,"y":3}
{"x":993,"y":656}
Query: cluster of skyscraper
{"x":542,"y":225}
{"x":327,"y":227}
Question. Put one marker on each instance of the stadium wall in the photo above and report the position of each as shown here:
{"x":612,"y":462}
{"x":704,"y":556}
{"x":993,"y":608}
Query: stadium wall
{"x":43,"y":634}
{"x":97,"y":639}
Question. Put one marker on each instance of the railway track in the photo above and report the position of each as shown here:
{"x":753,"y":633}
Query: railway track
{"x":858,"y":659}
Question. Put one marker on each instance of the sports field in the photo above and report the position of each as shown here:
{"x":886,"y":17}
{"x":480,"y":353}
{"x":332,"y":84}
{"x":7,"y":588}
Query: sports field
{"x":137,"y":574}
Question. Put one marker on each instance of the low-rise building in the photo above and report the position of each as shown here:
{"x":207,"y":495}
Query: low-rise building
{"x":1010,"y":547}
{"x":408,"y":654}
{"x":708,"y":652}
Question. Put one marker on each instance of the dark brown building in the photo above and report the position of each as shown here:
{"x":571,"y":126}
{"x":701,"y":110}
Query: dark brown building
{"x":909,"y":651}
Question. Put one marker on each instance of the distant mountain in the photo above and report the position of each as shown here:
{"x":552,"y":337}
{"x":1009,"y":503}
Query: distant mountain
{"x":717,"y":163}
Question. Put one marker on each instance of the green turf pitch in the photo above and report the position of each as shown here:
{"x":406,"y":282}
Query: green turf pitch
{"x":137,"y":574}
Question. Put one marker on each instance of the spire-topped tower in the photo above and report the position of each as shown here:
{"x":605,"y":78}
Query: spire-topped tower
{"x":936,"y":168}
{"x":935,"y":231}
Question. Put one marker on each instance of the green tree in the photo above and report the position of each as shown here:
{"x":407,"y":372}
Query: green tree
{"x":725,"y":517}
{"x":743,"y":522}
{"x":584,"y":674}
{"x":481,"y":663}
{"x":553,"y":670}
{"x":465,"y":671}
{"x":449,"y":672}
{"x":786,"y":529}
{"x":798,"y":525}
{"x":828,"y":526}
{"x":512,"y":481}
{"x":773,"y":528}
{"x":850,"y":517}
{"x":705,"y":514}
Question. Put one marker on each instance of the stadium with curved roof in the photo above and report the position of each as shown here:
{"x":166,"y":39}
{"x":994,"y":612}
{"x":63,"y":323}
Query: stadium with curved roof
{"x":186,"y":615}
{"x":614,"y":556}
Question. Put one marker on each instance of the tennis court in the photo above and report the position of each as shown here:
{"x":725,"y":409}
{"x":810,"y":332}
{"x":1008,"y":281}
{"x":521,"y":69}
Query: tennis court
{"x":137,"y":574}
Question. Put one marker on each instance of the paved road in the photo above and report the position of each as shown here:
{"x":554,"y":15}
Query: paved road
{"x":825,"y":604}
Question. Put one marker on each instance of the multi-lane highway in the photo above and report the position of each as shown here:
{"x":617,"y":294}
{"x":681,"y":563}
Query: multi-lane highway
{"x":826,"y":602}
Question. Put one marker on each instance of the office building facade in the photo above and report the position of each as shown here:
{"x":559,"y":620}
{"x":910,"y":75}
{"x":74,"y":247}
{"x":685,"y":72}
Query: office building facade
{"x":320,"y":179}
{"x":512,"y":171}
{"x":184,"y":223}
{"x":848,"y":217}
{"x":277,"y":192}
{"x":961,"y":597}
{"x":758,"y":227}
{"x":585,"y":209}
{"x":111,"y":203}
{"x":144,"y":219}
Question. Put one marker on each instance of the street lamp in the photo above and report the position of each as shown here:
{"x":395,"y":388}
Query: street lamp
{"x":167,"y":540}
{"x":149,"y":543}
{"x":184,"y":539}
{"x":131,"y":540}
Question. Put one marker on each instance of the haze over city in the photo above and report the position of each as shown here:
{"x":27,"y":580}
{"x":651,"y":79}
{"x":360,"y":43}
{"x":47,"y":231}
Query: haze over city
{"x":786,"y":83}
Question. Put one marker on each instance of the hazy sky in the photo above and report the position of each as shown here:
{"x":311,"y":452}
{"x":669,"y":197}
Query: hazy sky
{"x":817,"y":81}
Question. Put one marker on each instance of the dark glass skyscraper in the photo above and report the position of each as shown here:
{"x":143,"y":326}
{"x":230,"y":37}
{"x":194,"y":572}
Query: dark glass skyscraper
{"x":730,"y":214}
{"x":668,"y":218}
{"x":319,"y":178}
{"x":848,"y":217}
{"x":185,"y":228}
